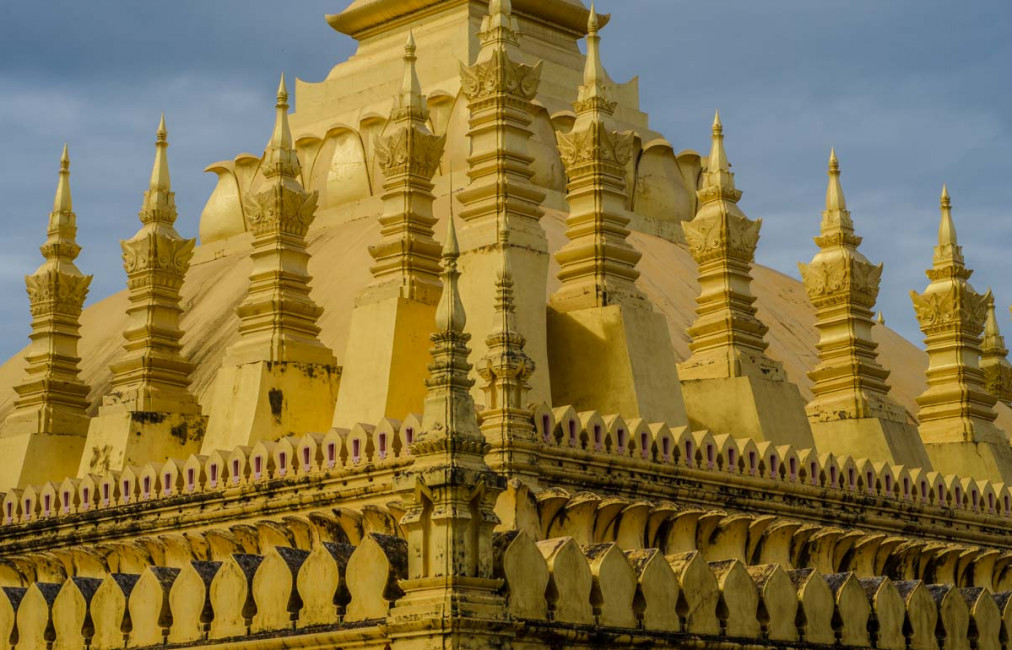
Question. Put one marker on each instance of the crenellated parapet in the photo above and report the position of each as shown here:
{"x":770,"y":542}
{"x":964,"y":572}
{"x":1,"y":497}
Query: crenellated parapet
{"x":851,"y":411}
{"x":339,"y":594}
{"x":956,"y":411}
{"x":44,"y":435}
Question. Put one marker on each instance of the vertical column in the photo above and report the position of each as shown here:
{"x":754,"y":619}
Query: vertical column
{"x":600,"y":324}
{"x":449,"y":495}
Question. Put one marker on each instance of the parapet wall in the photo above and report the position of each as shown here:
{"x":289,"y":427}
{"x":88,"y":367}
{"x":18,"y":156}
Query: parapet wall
{"x":594,"y":595}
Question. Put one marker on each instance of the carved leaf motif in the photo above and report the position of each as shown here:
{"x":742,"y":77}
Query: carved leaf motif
{"x":500,"y":75}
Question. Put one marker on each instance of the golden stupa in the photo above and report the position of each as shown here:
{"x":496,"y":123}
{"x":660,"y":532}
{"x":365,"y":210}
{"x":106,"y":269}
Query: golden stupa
{"x":470,"y":357}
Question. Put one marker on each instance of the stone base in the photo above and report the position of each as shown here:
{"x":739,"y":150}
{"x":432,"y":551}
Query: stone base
{"x":269,"y":400}
{"x":615,"y":359}
{"x":34,"y":458}
{"x":876,"y":439}
{"x":386,"y":362}
{"x":983,"y":461}
{"x":437,"y":613}
{"x":751,"y":407}
{"x":118,"y":438}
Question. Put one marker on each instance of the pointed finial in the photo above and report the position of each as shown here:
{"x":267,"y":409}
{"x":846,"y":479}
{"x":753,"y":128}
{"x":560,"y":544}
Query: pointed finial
{"x":160,"y":179}
{"x":947,"y":229}
{"x":991,"y":324}
{"x":282,"y":93}
{"x":835,"y":200}
{"x":881,"y":319}
{"x":410,"y":105}
{"x":450,"y":315}
{"x":593,"y":22}
{"x":718,"y":156}
{"x":279,"y":156}
{"x":62,"y":202}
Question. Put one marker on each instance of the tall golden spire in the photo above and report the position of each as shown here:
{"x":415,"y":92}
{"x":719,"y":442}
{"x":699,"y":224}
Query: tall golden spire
{"x":449,"y":495}
{"x":500,"y":92}
{"x":850,"y":391}
{"x":264,"y":383}
{"x":598,"y":265}
{"x":153,"y":376}
{"x":50,"y":410}
{"x":728,"y":341}
{"x":407,"y":257}
{"x":723,"y":242}
{"x":278,"y":317}
{"x":956,"y":411}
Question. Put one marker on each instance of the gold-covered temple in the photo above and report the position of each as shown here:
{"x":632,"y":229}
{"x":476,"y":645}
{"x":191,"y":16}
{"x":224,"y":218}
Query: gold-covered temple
{"x":470,"y":357}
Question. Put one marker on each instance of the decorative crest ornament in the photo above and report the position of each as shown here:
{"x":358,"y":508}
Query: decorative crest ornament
{"x":994,"y":357}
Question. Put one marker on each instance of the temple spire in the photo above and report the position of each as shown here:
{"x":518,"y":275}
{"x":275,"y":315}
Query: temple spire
{"x":278,"y":351}
{"x":851,"y":409}
{"x":410,"y":104}
{"x":499,"y":29}
{"x":159,"y":202}
{"x":957,"y":411}
{"x":728,"y":340}
{"x":62,"y":202}
{"x":43,"y":438}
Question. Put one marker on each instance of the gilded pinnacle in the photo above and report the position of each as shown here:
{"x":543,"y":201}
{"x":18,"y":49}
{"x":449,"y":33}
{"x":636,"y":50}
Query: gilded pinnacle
{"x":410,"y":104}
{"x":991,"y":324}
{"x":834,"y":192}
{"x":947,"y":229}
{"x":718,"y":156}
{"x":593,"y":23}
{"x":450,"y":315}
{"x":593,"y":93}
{"x":160,"y":180}
{"x":280,"y":158}
{"x":62,"y":201}
{"x":948,"y":253}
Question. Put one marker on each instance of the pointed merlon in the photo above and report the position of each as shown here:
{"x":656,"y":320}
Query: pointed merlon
{"x":160,"y":179}
{"x":62,"y":202}
{"x":947,"y":228}
{"x":835,"y":200}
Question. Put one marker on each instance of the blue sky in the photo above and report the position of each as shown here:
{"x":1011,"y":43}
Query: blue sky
{"x":912,"y":93}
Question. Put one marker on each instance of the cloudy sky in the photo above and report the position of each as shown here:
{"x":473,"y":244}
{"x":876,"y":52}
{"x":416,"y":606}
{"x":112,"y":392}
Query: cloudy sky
{"x":912,"y":93}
